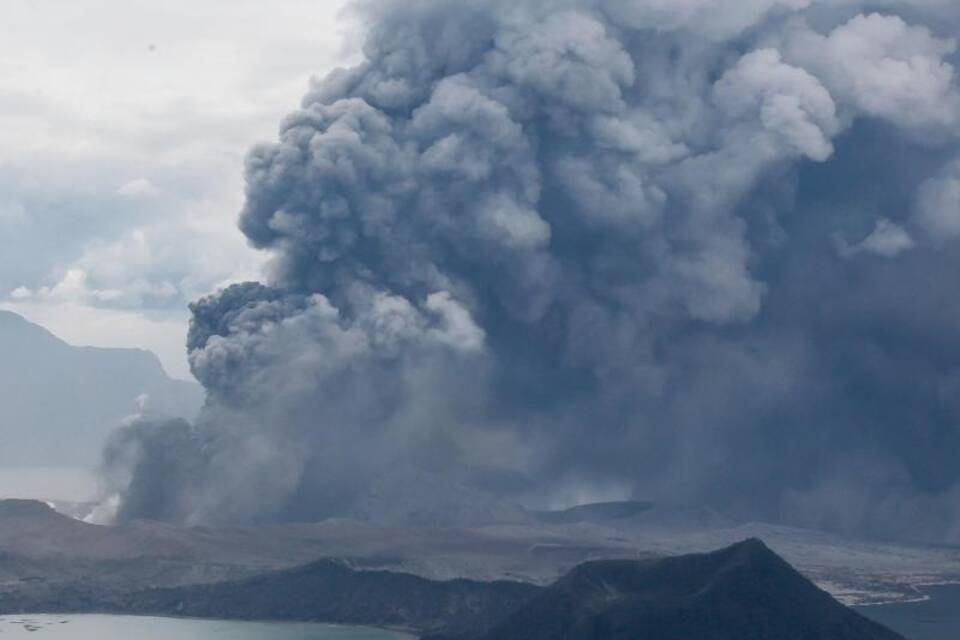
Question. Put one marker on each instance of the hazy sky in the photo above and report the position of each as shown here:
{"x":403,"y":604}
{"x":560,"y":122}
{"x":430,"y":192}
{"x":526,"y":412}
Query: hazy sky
{"x":124,"y":127}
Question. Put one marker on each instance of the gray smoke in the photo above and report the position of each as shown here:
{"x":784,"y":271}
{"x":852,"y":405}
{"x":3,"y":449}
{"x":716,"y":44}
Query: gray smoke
{"x":693,"y":251}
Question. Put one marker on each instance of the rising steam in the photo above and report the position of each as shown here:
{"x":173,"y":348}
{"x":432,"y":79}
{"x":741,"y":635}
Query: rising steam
{"x":694,"y":250}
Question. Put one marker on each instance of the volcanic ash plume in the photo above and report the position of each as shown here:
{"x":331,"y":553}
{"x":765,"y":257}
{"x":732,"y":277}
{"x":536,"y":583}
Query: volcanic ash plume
{"x":686,"y":251}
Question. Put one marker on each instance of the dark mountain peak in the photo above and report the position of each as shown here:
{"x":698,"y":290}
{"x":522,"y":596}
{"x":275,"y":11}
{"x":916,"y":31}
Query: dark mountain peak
{"x":680,"y":573}
{"x":755,"y":552}
{"x":750,"y":546}
{"x":745,"y":591}
{"x":26,"y":509}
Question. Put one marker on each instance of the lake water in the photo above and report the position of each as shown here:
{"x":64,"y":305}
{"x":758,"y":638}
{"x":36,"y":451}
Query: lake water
{"x":935,"y":619}
{"x":101,"y":627}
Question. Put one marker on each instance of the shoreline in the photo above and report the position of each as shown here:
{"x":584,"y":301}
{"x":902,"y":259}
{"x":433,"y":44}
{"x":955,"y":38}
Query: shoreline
{"x":921,"y":597}
{"x":408,"y":633}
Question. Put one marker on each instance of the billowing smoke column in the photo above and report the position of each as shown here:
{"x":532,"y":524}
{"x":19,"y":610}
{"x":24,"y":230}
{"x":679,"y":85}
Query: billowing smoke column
{"x":686,"y":250}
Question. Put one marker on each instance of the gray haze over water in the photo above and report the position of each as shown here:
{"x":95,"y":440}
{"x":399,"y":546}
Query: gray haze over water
{"x":104,"y":627}
{"x":685,"y":251}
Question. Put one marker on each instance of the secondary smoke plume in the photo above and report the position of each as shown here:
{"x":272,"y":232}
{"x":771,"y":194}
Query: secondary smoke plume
{"x":684,"y":250}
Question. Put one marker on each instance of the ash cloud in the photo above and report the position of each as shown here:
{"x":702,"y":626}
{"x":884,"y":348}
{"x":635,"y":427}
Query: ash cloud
{"x":685,"y":253}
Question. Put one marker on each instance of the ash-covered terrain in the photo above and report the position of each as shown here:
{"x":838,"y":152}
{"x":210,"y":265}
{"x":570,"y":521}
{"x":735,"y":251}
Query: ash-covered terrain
{"x":49,"y":560}
{"x":551,"y":582}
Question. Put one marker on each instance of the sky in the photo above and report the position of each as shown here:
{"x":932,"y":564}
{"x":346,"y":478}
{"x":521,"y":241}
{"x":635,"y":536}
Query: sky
{"x":124,"y":127}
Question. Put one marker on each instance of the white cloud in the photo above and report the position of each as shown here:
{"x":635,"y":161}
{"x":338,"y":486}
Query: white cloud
{"x":887,"y":240}
{"x":937,"y":214}
{"x":125,"y":124}
{"x":880,"y":66}
{"x":791,"y":105}
{"x":12,"y":214}
{"x":137,"y":188}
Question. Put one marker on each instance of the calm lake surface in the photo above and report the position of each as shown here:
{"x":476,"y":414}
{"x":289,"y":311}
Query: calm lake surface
{"x":935,"y":619}
{"x":97,"y":627}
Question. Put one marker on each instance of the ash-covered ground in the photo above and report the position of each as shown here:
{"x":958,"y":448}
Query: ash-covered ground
{"x":44,"y":554}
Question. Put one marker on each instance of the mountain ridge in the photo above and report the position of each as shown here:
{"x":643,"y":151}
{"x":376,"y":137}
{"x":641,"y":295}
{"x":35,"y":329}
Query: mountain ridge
{"x":333,"y":590}
{"x":58,"y":401}
{"x":742,"y":592}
